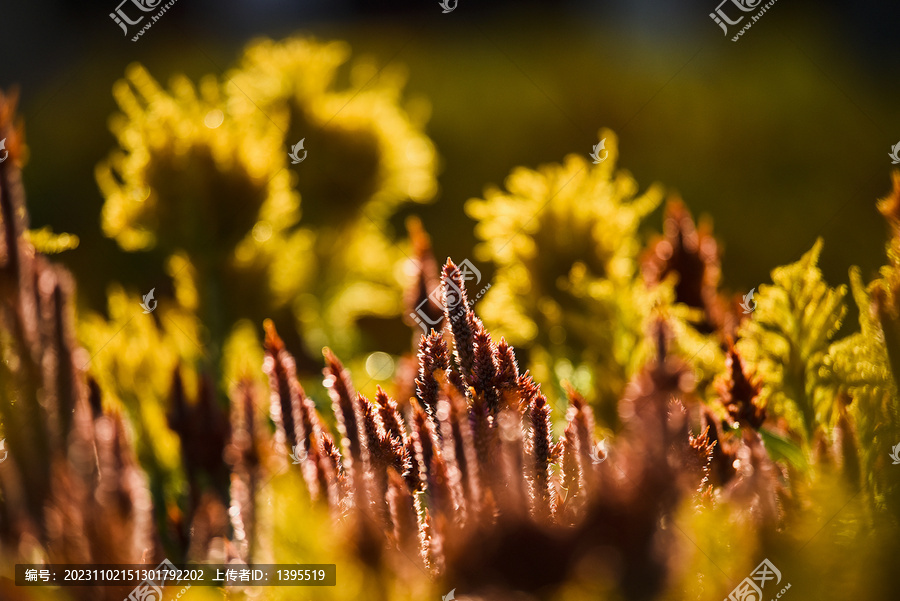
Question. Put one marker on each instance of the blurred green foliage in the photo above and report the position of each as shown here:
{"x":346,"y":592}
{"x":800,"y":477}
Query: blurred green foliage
{"x":796,"y":320}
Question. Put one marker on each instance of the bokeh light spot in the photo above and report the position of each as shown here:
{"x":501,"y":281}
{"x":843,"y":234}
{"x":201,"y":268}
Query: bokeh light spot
{"x":380,"y":366}
{"x":214,"y":118}
{"x":262,"y":231}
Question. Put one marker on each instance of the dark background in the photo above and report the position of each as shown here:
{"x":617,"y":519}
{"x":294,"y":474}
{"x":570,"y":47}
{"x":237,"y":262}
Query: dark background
{"x":780,"y":137}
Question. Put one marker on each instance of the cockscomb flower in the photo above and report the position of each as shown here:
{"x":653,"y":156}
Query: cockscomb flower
{"x":67,"y":461}
{"x":484,"y":367}
{"x":426,"y":279}
{"x":201,"y":453}
{"x":540,"y":443}
{"x":433,"y":360}
{"x":740,"y":394}
{"x":490,"y":490}
{"x":692,"y":253}
{"x":340,"y":389}
{"x":460,"y":318}
{"x":245,"y":456}
{"x":286,"y":408}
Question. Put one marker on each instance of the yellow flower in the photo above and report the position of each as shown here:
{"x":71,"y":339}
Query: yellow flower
{"x":203,"y":173}
{"x":565,"y":242}
{"x":189,"y":175}
{"x":364,"y":151}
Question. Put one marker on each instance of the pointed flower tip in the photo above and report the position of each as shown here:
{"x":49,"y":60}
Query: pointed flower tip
{"x":675,"y":204}
{"x":481,"y":333}
{"x":417,"y":407}
{"x":575,"y":398}
{"x":889,"y":206}
{"x":273,"y":341}
{"x":381,"y":397}
{"x":413,"y":225}
{"x":331,"y":358}
{"x":417,"y":234}
{"x":449,"y":267}
{"x":11,"y":128}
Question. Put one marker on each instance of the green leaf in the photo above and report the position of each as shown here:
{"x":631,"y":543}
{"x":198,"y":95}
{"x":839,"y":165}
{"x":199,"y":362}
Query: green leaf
{"x":787,"y":341}
{"x":781,"y":448}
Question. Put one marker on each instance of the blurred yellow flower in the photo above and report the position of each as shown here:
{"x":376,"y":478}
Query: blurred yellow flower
{"x":565,"y":242}
{"x":203,"y":172}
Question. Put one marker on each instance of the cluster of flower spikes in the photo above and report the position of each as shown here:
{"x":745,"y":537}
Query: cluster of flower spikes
{"x":71,"y":489}
{"x":469,"y":474}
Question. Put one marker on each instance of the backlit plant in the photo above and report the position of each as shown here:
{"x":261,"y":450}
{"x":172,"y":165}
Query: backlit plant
{"x":726,"y":437}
